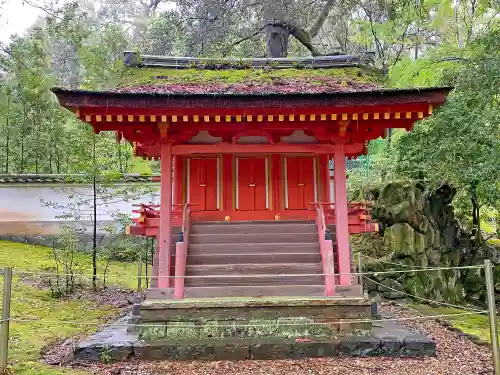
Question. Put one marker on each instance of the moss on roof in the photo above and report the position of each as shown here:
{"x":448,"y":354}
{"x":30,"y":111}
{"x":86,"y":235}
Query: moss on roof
{"x":250,"y":80}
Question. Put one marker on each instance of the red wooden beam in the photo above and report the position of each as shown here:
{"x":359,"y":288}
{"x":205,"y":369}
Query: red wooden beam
{"x":229,"y":148}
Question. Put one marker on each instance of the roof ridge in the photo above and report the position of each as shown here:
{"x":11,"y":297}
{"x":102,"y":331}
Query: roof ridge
{"x":134,"y":59}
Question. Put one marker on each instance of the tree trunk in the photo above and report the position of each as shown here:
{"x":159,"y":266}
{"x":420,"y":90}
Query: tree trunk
{"x":7,"y":140}
{"x":476,"y":220}
{"x":277,"y":38}
{"x":22,"y":138}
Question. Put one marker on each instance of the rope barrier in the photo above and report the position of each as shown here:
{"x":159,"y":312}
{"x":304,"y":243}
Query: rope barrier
{"x":374,"y":273}
{"x":429,"y":317}
{"x":425,"y":299}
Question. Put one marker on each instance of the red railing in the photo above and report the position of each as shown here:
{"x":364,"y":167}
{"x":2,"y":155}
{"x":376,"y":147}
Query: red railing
{"x":359,"y":216}
{"x":181,"y":249}
{"x":326,"y":249}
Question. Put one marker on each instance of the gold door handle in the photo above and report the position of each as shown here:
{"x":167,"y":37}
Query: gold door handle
{"x":251,"y":185}
{"x":300,"y":184}
{"x":203,"y":185}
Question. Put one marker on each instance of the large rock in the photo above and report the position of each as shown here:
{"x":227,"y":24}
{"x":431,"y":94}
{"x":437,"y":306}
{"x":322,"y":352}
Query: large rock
{"x":400,"y":238}
{"x":419,"y":231}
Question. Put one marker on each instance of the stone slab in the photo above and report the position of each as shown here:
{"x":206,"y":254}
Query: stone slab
{"x":114,"y":343}
{"x":206,"y":309}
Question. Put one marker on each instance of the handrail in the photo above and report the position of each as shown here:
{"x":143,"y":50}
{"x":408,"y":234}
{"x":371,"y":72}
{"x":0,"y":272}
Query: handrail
{"x":181,"y":248}
{"x":326,"y":249}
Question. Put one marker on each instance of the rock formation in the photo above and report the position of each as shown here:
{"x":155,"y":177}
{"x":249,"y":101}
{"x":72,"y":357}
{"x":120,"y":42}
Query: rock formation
{"x":418,"y":229}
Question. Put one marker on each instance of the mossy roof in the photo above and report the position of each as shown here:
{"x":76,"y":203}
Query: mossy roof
{"x":249,"y":81}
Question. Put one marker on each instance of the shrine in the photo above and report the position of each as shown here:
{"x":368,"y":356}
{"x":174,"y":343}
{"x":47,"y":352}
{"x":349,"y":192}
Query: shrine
{"x":249,"y":206}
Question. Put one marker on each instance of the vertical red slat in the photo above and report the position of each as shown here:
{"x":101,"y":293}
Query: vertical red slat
{"x":227,"y":188}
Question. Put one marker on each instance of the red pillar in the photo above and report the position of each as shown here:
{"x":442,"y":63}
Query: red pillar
{"x":165,"y":215}
{"x":341,"y":216}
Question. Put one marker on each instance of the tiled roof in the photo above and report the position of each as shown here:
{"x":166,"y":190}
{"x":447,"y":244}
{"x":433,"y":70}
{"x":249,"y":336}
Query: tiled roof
{"x":66,"y":179}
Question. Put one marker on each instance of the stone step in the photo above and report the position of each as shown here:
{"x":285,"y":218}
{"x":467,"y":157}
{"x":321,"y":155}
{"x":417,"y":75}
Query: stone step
{"x":253,"y":248}
{"x":243,"y":228}
{"x":242,"y":291}
{"x":253,"y":238}
{"x":254,"y":269}
{"x":257,"y":258}
{"x":254,"y":280}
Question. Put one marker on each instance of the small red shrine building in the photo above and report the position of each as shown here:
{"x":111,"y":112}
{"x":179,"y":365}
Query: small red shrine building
{"x":250,"y":141}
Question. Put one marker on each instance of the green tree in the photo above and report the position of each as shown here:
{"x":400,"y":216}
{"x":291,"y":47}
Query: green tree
{"x":460,"y":144}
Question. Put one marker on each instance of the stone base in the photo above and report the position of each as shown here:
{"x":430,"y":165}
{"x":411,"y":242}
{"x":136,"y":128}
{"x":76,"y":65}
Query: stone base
{"x":388,"y":339}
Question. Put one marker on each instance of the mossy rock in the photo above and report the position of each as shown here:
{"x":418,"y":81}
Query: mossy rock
{"x":391,"y":289}
{"x":429,"y":236}
{"x":433,"y":256}
{"x":414,"y":286}
{"x":427,"y":280}
{"x":421,"y":261}
{"x":406,"y":264}
{"x":376,"y":267}
{"x":401,"y":212}
{"x":452,"y":258}
{"x":420,"y":245}
{"x":400,"y":239}
{"x":473,"y":283}
{"x":455,"y":294}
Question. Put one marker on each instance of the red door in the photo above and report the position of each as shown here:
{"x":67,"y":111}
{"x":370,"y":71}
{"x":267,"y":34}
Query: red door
{"x":203,"y":184}
{"x":252,"y":185}
{"x":300,"y":182}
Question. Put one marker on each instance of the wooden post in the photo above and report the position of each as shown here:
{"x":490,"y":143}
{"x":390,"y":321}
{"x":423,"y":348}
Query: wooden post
{"x":5,"y":319}
{"x":139,"y":274}
{"x":165,"y":229}
{"x":341,"y":216}
{"x":492,"y":314}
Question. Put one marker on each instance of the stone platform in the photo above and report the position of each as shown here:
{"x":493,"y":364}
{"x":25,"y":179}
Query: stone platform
{"x":252,"y":328}
{"x":387,"y":339}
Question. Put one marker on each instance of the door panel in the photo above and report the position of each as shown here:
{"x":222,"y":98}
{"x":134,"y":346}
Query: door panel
{"x":300,"y":182}
{"x":252,"y":186}
{"x":203,"y":184}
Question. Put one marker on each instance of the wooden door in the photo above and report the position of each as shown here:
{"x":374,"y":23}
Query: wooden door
{"x":252,"y":184}
{"x":300,"y":180}
{"x":203,"y":189}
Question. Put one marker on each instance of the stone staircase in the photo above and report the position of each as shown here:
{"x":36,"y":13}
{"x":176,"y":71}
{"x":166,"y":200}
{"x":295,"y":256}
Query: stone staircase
{"x":259,"y":252}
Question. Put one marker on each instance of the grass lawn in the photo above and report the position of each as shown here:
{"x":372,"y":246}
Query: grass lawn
{"x":29,"y":302}
{"x":477,"y":325}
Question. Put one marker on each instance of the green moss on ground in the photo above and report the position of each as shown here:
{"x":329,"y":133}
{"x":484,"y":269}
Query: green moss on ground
{"x":476,"y":325}
{"x":141,"y":76}
{"x":30,"y":302}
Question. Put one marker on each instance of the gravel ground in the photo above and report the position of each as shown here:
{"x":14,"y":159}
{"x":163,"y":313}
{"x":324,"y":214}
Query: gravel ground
{"x":456,"y":355}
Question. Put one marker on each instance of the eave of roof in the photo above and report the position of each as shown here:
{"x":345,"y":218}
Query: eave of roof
{"x":82,"y":98}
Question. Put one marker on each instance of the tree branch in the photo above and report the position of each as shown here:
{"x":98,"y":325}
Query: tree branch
{"x":247,"y":37}
{"x":321,"y":19}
